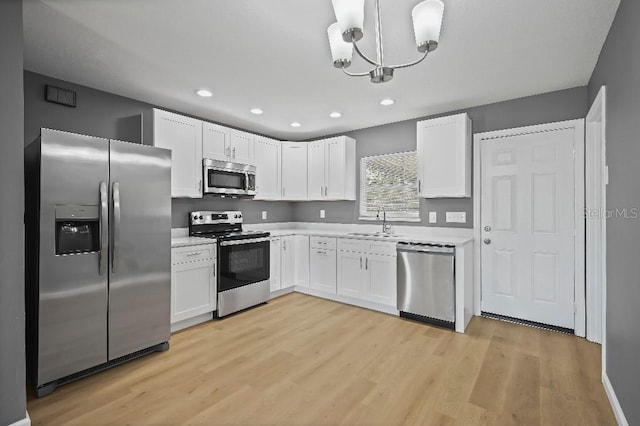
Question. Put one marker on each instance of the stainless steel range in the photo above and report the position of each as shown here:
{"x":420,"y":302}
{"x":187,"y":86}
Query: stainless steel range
{"x":243,"y":259}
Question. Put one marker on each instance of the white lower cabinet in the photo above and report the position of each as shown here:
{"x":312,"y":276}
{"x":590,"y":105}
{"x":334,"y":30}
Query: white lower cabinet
{"x":274,"y":268}
{"x":193,"y":282}
{"x":350,"y":277}
{"x":368,"y":273}
{"x":322,"y":268}
{"x":302,"y":260}
{"x":288,"y":261}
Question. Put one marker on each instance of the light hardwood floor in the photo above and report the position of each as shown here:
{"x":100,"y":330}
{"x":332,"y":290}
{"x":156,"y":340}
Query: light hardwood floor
{"x":301,"y":360}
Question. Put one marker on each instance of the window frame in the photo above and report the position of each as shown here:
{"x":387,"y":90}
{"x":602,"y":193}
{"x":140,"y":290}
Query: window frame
{"x":391,"y":216}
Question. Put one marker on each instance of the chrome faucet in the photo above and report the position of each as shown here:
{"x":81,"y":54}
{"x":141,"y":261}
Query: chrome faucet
{"x":385,"y":228}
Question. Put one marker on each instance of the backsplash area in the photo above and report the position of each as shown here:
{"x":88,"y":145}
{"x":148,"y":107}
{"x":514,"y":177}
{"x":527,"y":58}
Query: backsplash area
{"x":277,"y":211}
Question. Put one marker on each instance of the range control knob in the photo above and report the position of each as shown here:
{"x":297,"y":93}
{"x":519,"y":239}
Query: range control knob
{"x":200,"y":217}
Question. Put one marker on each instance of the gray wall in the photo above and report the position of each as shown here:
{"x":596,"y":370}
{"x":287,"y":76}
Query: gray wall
{"x":12,"y":356}
{"x":110,"y":116}
{"x":619,"y":69}
{"x":556,"y":106}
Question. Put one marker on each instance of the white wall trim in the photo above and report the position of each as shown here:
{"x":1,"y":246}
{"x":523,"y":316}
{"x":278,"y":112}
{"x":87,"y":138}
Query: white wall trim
{"x":23,"y":422}
{"x":597,"y":288}
{"x":578,"y":126}
{"x":613,"y":400}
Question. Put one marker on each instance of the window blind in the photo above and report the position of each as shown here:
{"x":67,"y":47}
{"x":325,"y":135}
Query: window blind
{"x":389,"y":181}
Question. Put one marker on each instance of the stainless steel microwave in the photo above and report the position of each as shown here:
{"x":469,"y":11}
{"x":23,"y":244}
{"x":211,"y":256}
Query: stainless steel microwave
{"x":225,"y":178}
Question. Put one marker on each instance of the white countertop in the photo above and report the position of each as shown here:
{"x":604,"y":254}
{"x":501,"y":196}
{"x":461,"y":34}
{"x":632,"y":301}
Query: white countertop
{"x":424,"y":239}
{"x":182,"y":241}
{"x":412,"y":234}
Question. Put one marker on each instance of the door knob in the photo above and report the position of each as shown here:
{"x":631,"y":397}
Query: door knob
{"x":487,"y":228}
{"x":487,"y":241}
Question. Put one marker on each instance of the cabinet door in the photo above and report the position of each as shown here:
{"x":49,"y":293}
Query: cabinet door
{"x":193,"y":290}
{"x":216,"y":142}
{"x":288,"y":262}
{"x":336,"y":169}
{"x":350,"y":274}
{"x":294,"y":171}
{"x":242,"y":147}
{"x":183,"y":136}
{"x":316,"y":170}
{"x":274,"y":269}
{"x":267,"y":156}
{"x":380,"y":278}
{"x":322,"y":270}
{"x":302,"y":260}
{"x":444,"y":157}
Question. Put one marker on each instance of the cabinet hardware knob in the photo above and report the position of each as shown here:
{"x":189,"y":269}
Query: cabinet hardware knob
{"x":487,"y":241}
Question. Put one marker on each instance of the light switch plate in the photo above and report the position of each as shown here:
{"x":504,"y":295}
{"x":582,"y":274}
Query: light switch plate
{"x":264,"y":215}
{"x":322,"y":214}
{"x":433,"y":217}
{"x":457,"y":217}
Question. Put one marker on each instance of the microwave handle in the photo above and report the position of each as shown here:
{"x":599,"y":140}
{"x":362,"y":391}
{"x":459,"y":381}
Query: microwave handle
{"x":246,"y":181}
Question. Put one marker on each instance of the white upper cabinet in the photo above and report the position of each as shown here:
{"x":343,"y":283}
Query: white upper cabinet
{"x":268,"y":170}
{"x":242,"y":147}
{"x":183,"y":136}
{"x":332,"y":169}
{"x":294,"y":171}
{"x":316,"y":172}
{"x":215,"y":141}
{"x":444,"y":157}
{"x":224,"y":144}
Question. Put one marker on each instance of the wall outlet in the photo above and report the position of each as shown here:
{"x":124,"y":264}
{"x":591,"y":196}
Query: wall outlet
{"x":264,"y":215}
{"x":322,"y":214}
{"x":433,"y":217}
{"x":457,"y":217}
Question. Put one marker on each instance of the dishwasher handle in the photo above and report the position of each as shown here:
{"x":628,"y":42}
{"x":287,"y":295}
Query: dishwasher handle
{"x":425,"y":248}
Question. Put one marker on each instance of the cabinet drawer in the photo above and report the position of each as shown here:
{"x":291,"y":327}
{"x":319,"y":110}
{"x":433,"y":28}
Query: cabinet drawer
{"x":350,"y":244}
{"x":192,"y":253}
{"x":323,"y":242}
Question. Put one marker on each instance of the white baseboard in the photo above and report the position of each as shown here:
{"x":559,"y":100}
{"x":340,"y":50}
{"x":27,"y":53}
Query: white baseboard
{"x":613,"y":400}
{"x":281,"y":292}
{"x":24,"y":422}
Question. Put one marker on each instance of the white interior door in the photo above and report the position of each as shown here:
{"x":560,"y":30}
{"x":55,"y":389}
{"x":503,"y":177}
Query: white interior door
{"x":528,"y":223}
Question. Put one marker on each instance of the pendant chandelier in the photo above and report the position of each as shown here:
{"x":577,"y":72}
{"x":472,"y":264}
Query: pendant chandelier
{"x":344,"y":35}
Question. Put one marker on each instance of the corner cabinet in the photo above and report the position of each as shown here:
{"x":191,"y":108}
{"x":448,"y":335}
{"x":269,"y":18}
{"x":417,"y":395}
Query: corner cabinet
{"x":294,"y":171}
{"x":268,"y":169}
{"x":332,"y":169}
{"x":444,"y":157}
{"x":322,"y":264}
{"x":183,"y":136}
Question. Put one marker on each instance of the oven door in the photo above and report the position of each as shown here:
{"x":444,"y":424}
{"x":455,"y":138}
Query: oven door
{"x":225,"y":181}
{"x":243,"y":262}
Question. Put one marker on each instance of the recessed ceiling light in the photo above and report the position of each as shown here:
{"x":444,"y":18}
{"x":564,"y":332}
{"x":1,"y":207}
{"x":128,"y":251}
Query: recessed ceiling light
{"x":295,"y":124}
{"x":205,"y":93}
{"x":387,"y":102}
{"x":256,"y":111}
{"x":335,"y":114}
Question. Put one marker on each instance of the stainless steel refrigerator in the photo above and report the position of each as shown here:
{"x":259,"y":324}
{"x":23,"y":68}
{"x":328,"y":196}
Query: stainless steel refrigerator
{"x":98,"y":254}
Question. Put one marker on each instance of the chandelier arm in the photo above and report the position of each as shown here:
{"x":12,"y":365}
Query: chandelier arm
{"x":355,"y":74}
{"x":410,"y":64}
{"x":363,"y":56}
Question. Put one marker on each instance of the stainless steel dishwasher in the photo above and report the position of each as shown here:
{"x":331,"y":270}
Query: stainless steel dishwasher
{"x":426,"y":283}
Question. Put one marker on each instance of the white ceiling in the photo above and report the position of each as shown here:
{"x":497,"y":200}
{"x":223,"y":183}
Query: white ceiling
{"x":275,"y":55}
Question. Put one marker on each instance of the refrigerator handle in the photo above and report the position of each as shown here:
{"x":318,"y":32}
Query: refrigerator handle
{"x":104,"y":217}
{"x":116,"y":227}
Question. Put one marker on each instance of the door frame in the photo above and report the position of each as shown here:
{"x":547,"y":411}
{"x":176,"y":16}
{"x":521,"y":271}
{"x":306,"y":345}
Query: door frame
{"x":579,"y":245}
{"x":596,"y":306}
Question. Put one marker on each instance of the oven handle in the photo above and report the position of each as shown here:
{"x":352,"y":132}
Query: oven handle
{"x":246,"y":241}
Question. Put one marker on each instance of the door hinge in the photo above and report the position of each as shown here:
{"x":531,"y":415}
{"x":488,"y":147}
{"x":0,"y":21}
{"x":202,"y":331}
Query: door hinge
{"x":575,"y":155}
{"x":575,"y":308}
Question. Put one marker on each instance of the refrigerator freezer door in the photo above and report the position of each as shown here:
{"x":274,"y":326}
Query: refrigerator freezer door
{"x":72,"y":300}
{"x":140,"y":261}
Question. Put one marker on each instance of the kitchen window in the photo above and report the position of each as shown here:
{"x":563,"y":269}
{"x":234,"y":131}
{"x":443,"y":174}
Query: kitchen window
{"x":390,"y":181}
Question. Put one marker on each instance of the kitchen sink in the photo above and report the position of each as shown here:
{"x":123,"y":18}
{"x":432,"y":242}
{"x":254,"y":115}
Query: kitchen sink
{"x":370,"y":234}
